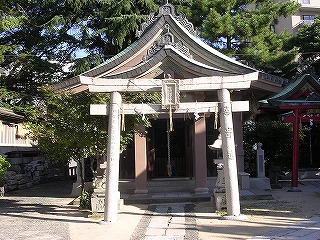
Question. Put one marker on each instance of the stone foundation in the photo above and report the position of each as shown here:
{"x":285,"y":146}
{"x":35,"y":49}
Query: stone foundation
{"x":260,"y":183}
{"x":98,"y":202}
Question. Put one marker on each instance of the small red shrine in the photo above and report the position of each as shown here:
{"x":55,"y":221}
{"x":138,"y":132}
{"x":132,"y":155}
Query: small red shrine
{"x":301,"y":101}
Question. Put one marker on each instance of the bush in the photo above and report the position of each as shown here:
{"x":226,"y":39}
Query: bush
{"x":4,"y":166}
{"x":85,"y":200}
{"x":276,"y":139}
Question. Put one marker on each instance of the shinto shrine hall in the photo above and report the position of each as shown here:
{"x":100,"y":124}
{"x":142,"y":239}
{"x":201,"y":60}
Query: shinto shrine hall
{"x":195,"y":81}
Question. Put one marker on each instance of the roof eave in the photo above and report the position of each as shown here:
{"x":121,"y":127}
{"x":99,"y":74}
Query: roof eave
{"x":8,"y":115}
{"x":75,"y":85}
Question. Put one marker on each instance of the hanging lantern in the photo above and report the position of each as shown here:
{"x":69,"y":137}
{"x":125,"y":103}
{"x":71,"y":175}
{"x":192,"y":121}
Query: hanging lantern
{"x":170,"y":100}
{"x":170,"y":97}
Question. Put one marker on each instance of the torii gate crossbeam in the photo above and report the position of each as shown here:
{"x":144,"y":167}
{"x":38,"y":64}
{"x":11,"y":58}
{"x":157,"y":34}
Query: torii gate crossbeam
{"x":148,"y":108}
{"x":235,"y":82}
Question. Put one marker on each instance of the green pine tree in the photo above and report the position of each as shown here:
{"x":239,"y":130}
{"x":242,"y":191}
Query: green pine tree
{"x":243,"y":29}
{"x":308,"y":42}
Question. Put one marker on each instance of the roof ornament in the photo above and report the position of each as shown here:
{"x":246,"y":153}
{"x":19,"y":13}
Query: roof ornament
{"x":164,"y":2}
{"x":313,"y":96}
{"x":167,"y":38}
{"x":164,"y":10}
{"x":145,"y":25}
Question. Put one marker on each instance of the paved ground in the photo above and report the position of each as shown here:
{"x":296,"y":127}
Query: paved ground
{"x":42,"y":212}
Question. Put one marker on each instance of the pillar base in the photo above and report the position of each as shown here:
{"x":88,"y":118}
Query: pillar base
{"x":243,"y":179}
{"x":141,"y":191}
{"x":98,"y":202}
{"x":103,"y":222}
{"x":235,"y":218}
{"x":260,"y":183}
{"x":294,"y":189}
{"x":219,"y":200}
{"x":201,"y":190}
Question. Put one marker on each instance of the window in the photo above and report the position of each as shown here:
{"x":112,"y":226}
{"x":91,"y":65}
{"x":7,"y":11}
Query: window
{"x":305,"y":1}
{"x":308,"y":17}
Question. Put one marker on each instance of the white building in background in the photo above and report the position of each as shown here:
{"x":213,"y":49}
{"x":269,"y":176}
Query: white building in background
{"x":305,"y":15}
{"x":13,"y":134}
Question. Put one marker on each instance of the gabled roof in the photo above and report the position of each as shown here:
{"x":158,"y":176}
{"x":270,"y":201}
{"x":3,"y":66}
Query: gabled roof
{"x":168,"y":29}
{"x":169,"y":57}
{"x":9,"y":116}
{"x":168,"y":44}
{"x":304,"y":91}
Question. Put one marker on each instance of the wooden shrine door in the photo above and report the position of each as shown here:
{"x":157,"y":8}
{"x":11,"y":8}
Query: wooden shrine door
{"x":158,"y":149}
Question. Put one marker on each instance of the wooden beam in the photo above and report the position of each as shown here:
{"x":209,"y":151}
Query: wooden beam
{"x":291,"y":119}
{"x":301,"y":106}
{"x":192,"y":107}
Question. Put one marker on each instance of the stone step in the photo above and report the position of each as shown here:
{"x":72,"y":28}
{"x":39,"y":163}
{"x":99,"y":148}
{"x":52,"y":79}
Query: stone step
{"x":165,"y":185}
{"x":166,"y":198}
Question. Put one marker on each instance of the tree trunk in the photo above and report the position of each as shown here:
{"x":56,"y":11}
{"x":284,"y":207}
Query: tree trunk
{"x":2,"y":191}
{"x":81,"y":174}
{"x":229,"y":46}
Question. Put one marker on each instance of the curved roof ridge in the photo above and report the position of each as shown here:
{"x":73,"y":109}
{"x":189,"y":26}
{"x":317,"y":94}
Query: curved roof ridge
{"x":161,"y":55}
{"x":166,"y":9}
{"x":293,"y":85}
{"x":115,"y":57}
{"x":200,"y":64}
{"x":165,"y":21}
{"x":214,"y":51}
{"x":125,"y":54}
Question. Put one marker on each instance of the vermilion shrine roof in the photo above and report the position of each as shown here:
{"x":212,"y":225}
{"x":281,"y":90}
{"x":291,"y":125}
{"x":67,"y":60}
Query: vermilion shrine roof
{"x":304,"y":91}
{"x":168,"y":44}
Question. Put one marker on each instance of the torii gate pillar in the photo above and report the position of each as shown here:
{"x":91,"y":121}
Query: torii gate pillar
{"x":113,"y":155}
{"x":229,"y":157}
{"x":295,"y":155}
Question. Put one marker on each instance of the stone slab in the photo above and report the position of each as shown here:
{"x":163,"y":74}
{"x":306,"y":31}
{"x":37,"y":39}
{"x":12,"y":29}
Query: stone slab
{"x":260,"y":183}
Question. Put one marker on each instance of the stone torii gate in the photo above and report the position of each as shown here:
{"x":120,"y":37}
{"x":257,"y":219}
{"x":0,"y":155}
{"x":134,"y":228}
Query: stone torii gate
{"x":167,"y":44}
{"x":170,"y":88}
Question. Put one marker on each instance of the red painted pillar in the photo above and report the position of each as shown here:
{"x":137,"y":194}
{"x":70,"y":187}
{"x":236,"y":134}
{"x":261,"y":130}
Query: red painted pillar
{"x":295,"y":155}
{"x":200,"y":156}
{"x":140,"y":158}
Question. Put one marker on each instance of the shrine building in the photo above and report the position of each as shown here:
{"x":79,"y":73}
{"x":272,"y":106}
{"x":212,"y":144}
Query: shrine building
{"x":169,"y":58}
{"x":299,"y":103}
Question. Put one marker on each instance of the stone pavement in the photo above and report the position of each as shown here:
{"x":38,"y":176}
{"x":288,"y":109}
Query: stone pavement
{"x":306,"y":230}
{"x":42,"y":212}
{"x":167,"y":221}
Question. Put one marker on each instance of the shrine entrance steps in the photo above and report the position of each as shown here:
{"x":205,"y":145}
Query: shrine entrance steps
{"x":176,"y":190}
{"x":163,"y":190}
{"x":165,"y":185}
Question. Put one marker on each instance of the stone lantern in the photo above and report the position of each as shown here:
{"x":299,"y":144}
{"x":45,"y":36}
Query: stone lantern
{"x":218,"y":199}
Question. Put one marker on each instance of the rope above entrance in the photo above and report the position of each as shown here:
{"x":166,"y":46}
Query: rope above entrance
{"x":170,"y":100}
{"x":170,"y":97}
{"x":169,"y":168}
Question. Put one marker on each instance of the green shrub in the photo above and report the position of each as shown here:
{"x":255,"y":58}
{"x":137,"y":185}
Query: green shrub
{"x":4,"y":166}
{"x":85,"y":200}
{"x":276,"y":139}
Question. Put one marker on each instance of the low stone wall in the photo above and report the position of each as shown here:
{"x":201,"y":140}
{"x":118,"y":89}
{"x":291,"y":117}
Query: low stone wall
{"x":17,"y":181}
{"x":24,"y":172}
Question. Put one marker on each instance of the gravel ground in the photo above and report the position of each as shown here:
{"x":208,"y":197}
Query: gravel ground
{"x":42,"y":212}
{"x":263,"y":216}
